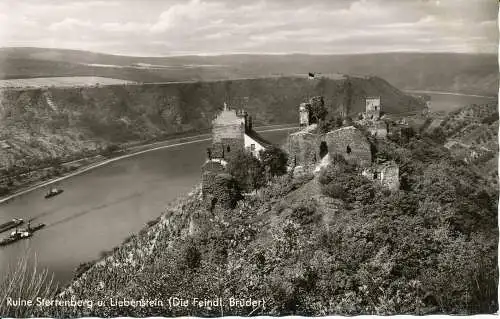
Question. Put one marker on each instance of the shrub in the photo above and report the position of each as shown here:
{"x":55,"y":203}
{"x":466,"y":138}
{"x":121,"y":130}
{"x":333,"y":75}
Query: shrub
{"x":247,"y":171}
{"x":110,"y":150}
{"x":221,"y":189}
{"x":275,"y":159}
{"x":342,"y":181}
{"x":305,"y":212}
{"x":83,"y":267}
{"x":191,"y":255}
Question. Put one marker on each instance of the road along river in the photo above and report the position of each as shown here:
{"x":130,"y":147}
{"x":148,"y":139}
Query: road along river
{"x":102,"y":206}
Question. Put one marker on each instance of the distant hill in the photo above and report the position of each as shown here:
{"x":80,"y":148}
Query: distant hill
{"x":451,"y":72}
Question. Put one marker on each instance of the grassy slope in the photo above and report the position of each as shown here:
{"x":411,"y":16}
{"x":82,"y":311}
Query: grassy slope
{"x":467,"y":73}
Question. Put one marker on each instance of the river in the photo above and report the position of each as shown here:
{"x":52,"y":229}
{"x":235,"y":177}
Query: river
{"x":103,"y":206}
{"x":447,"y":102}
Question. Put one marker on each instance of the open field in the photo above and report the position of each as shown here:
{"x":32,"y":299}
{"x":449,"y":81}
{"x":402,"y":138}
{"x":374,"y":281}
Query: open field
{"x":66,"y":81}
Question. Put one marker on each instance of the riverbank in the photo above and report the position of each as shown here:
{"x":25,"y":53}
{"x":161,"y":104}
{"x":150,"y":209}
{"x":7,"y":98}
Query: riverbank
{"x":449,"y":93}
{"x":131,"y":150}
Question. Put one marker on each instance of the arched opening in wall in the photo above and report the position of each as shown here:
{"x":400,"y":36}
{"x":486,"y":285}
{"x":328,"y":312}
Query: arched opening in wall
{"x":323,"y":149}
{"x":348,"y":149}
{"x":228,"y":149}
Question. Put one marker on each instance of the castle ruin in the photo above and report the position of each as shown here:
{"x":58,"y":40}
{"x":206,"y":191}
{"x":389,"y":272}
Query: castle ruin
{"x":372,"y":111}
{"x":372,"y":120}
{"x":232,"y":132}
{"x":386,"y":174}
{"x":307,"y":147}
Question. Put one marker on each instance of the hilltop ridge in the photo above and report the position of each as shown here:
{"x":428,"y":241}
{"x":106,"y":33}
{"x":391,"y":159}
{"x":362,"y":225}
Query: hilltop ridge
{"x":451,"y":72}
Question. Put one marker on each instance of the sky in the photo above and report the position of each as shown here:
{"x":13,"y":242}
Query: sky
{"x":205,"y":27}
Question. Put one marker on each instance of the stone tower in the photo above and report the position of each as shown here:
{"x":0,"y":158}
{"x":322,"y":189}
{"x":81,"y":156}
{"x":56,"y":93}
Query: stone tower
{"x":228,"y":130}
{"x":372,"y":108}
{"x":342,"y":110}
{"x":303,"y":114}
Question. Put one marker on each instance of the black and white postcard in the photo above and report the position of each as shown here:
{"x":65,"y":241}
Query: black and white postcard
{"x":210,"y":158}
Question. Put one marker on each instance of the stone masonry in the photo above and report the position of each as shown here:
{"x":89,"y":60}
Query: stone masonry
{"x":304,"y":147}
{"x":387,"y":174}
{"x":350,"y":143}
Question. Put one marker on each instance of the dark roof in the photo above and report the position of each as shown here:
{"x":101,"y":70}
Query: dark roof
{"x":254,"y":135}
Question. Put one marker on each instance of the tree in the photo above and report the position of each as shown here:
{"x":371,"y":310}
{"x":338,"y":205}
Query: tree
{"x":437,"y":135}
{"x":274,"y":158}
{"x":331,"y":123}
{"x":317,"y":110}
{"x":247,"y":171}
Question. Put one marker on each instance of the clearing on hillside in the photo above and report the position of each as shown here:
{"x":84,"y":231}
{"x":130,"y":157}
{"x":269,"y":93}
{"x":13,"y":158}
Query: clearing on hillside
{"x":70,"y":81}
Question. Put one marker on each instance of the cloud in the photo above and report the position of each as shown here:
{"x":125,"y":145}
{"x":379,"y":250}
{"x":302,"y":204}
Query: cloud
{"x":69,"y":23}
{"x":219,"y":26}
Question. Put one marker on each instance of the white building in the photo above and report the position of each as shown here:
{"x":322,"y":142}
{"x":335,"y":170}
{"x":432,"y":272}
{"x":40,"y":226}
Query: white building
{"x":254,"y":143}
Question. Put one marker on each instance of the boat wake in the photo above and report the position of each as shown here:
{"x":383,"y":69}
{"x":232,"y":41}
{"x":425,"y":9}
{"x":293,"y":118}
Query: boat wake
{"x":94,"y":209}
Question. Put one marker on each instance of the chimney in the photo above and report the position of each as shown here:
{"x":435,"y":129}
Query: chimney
{"x":250,"y":123}
{"x":245,"y":114}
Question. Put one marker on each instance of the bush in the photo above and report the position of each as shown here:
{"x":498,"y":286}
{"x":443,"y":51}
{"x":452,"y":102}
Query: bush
{"x":191,"y":255}
{"x":110,"y":150}
{"x":247,"y":171}
{"x":305,"y":212}
{"x":342,"y":181}
{"x":275,"y":160}
{"x":221,"y":189}
{"x":83,"y":267}
{"x":334,"y":190}
{"x":330,"y":124}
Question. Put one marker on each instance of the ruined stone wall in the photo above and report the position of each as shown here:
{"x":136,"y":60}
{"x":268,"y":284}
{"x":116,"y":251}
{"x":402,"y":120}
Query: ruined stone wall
{"x":351,"y":144}
{"x":389,"y":176}
{"x":303,"y":149}
{"x":215,"y":166}
{"x":386,"y":174}
{"x":219,"y":189}
{"x":377,"y":129}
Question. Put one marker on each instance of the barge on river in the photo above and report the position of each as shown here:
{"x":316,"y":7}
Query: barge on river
{"x":54,"y":191}
{"x":20,"y":234}
{"x":11,"y":224}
